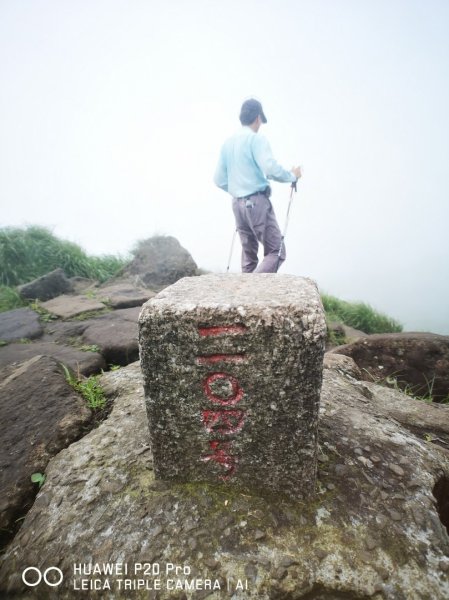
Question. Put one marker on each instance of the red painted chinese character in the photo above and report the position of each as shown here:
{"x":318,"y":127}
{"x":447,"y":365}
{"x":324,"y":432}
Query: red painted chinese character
{"x":221,"y":330}
{"x":223,"y":421}
{"x":221,"y":455}
{"x":223,"y":389}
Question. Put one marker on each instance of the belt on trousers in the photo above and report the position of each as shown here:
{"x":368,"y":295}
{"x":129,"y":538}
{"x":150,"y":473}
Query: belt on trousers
{"x":266,"y":192}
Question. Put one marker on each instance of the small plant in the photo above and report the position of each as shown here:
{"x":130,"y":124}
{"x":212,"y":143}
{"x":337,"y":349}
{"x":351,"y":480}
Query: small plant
{"x":89,"y":387}
{"x":91,"y":314}
{"x":93,"y":393}
{"x":392,"y":382}
{"x":90,"y":294}
{"x":3,"y":343}
{"x":44,"y":315}
{"x":114,"y":367}
{"x":334,"y":336}
{"x":25,"y":341}
{"x":91,"y":348}
{"x":38,"y":478}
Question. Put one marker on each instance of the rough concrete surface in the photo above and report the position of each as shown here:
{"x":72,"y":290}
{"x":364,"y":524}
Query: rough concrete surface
{"x":232,"y":367}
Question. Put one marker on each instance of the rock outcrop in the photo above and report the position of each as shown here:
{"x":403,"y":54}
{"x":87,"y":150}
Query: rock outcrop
{"x":40,"y":414}
{"x":377,"y":529}
{"x":158,"y":262}
{"x":116,"y":335}
{"x":81,"y":331}
{"x":68,"y":307}
{"x":417,"y":361}
{"x":85,"y":362}
{"x":20,"y":324}
{"x":46,"y":287}
{"x":123,"y":295}
{"x":85,"y":325}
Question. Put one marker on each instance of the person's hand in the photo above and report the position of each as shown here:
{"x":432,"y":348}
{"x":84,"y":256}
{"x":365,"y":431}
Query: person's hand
{"x":296,"y":172}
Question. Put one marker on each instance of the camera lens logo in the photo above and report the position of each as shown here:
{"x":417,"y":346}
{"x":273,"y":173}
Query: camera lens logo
{"x":32,"y":576}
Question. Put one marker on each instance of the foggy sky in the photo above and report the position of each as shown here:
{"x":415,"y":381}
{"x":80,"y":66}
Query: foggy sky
{"x":112,"y":115}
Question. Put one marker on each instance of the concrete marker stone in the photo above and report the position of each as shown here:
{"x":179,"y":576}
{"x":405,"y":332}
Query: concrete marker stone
{"x":232,"y":368}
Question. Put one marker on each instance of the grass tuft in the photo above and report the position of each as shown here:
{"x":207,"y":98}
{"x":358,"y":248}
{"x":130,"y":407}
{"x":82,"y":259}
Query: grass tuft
{"x":358,"y":315}
{"x":89,"y":387}
{"x":32,"y":252}
{"x":10,"y":299}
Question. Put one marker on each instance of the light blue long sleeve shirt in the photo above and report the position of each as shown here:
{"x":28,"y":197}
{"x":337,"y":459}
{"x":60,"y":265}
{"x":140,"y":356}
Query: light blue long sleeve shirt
{"x":246,"y":163}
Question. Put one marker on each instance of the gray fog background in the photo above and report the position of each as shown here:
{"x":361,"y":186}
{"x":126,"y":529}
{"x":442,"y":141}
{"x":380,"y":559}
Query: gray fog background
{"x":112,"y":114}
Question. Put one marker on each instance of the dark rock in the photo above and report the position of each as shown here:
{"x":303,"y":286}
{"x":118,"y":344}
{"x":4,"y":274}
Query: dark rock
{"x":86,"y":363}
{"x":40,"y":414}
{"x":67,"y":307}
{"x":81,"y":284}
{"x":20,"y":323}
{"x":116,"y":334}
{"x":160,"y":261}
{"x":46,"y":287}
{"x":123,"y":295}
{"x":66,"y":332}
{"x":418,"y":361}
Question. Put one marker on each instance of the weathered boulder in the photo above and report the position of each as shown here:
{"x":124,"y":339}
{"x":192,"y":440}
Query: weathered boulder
{"x":228,"y":360}
{"x":344,"y":364}
{"x":375,"y":530}
{"x":160,"y":261}
{"x":77,"y":360}
{"x":81,"y":284}
{"x":46,"y":287}
{"x":66,"y":332}
{"x":20,"y":323}
{"x":40,"y":414}
{"x":123,"y":295}
{"x":115,"y":333}
{"x":417,"y":361}
{"x":67,"y":307}
{"x":86,"y":345}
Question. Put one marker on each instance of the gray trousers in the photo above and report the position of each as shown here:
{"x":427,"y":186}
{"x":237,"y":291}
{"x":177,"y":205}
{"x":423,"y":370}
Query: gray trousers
{"x":256,"y":222}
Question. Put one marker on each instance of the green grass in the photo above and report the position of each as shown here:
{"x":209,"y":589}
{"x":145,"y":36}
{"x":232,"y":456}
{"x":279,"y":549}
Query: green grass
{"x":89,"y":387}
{"x":29,"y":253}
{"x":9,"y":299}
{"x":358,"y":315}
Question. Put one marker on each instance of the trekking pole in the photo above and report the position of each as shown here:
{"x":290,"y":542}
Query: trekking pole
{"x":293,"y":189}
{"x":231,"y":251}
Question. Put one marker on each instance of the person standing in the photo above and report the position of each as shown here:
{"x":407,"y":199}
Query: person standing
{"x":245,"y":165}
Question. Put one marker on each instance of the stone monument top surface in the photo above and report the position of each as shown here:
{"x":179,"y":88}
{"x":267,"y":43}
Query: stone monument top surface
{"x":258,"y":290}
